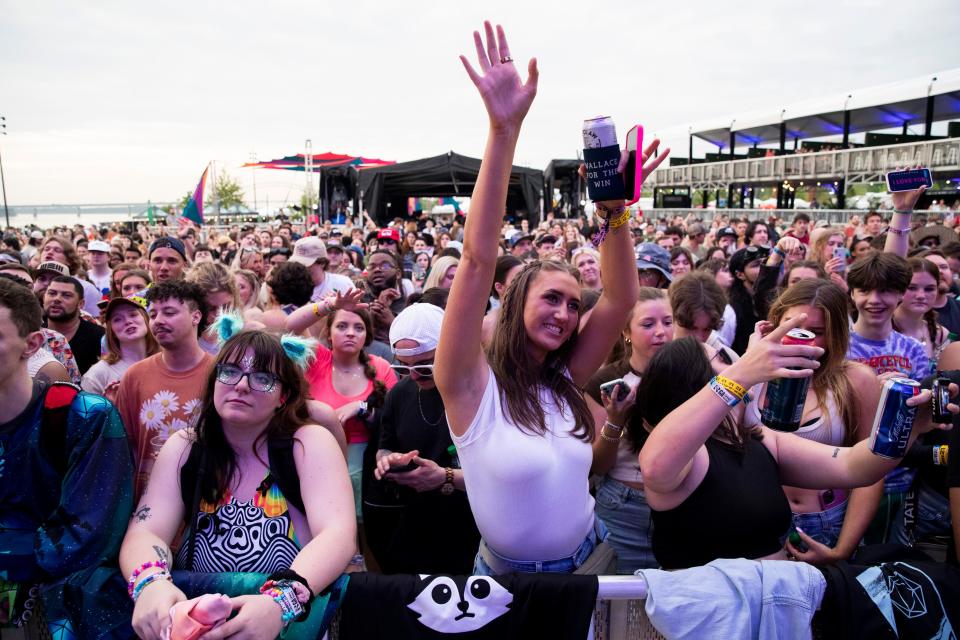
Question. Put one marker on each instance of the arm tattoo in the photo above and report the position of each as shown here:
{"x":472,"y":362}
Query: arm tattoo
{"x":141,"y":514}
{"x":836,"y":451}
{"x":162,"y":553}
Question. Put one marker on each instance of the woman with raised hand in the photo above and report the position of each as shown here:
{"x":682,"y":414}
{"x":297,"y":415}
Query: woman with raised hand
{"x":260,"y":490}
{"x":521,"y":426}
{"x":713,"y":483}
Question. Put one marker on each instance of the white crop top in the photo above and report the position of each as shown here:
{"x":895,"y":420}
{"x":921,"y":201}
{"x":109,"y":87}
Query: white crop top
{"x":626,"y":468}
{"x":529,"y":494}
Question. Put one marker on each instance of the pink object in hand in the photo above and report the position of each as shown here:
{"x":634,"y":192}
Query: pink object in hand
{"x":191,"y":619}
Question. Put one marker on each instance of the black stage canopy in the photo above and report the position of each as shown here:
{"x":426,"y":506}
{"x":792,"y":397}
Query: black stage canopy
{"x":446,"y":175}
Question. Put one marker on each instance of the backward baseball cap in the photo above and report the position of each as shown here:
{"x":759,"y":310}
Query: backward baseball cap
{"x":420,"y":323}
{"x":308,"y":250}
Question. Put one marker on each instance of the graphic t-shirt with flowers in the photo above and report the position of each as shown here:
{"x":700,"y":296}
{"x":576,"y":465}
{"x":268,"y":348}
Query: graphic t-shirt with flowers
{"x":156,"y":402}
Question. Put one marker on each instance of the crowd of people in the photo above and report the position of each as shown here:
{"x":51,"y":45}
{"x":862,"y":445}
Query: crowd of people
{"x":475,"y":396}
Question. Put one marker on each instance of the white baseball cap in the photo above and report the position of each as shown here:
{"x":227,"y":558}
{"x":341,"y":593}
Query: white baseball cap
{"x":98,"y":245}
{"x":419,"y":322}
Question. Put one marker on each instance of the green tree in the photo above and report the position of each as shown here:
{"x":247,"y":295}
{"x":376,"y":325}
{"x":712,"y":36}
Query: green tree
{"x":227,"y":190}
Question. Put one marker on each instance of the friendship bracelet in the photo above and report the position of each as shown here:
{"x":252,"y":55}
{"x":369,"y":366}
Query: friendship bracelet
{"x":898,"y":232}
{"x":780,"y":252}
{"x":722,"y":393}
{"x":286,"y":597}
{"x":150,"y":579}
{"x":735,"y":388}
{"x":158,"y":564}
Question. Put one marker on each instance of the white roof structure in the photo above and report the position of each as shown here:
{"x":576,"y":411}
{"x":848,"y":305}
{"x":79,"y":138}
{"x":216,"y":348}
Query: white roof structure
{"x":880,"y":107}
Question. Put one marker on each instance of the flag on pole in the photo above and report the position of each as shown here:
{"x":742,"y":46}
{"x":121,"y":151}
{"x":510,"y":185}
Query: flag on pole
{"x":194,"y":209}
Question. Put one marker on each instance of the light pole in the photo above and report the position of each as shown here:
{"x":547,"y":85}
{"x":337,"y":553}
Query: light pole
{"x":3,"y":183}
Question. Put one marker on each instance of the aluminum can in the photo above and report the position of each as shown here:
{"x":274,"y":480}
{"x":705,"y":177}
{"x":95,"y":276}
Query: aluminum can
{"x":599,"y":132}
{"x":893,"y":421}
{"x":941,"y":398}
{"x":783,"y":404}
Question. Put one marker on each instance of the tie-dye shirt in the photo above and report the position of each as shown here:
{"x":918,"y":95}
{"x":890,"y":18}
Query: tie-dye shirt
{"x":897,"y":353}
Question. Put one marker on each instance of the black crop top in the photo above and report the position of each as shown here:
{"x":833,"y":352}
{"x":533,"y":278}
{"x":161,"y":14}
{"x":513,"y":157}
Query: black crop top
{"x":739,"y":510}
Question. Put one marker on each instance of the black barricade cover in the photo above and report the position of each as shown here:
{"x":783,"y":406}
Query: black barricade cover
{"x":467,"y":607}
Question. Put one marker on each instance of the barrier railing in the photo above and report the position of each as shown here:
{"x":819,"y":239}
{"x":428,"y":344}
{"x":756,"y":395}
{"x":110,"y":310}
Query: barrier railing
{"x":940,"y":155}
{"x":832,"y":216}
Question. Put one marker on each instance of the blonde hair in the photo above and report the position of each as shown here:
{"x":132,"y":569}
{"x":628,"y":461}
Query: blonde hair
{"x":439,"y":270}
{"x":823,"y":236}
{"x":212,"y":277}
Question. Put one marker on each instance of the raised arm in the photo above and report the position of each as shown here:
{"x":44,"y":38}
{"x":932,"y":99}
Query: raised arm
{"x":618,"y":273}
{"x":898,"y":233}
{"x":461,"y":367}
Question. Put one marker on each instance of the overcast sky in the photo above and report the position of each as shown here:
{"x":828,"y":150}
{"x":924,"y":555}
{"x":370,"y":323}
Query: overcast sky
{"x":128,"y":101}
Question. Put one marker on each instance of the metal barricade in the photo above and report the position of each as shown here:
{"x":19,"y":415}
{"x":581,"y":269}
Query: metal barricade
{"x":620,"y":612}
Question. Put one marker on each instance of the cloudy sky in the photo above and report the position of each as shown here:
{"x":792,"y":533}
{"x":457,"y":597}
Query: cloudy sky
{"x":124,"y":102}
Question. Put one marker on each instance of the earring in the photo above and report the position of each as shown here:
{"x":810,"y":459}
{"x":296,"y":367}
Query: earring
{"x":627,"y":340}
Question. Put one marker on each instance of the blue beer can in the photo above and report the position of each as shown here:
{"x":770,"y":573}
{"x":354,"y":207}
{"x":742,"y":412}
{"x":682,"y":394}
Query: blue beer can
{"x":893,"y":421}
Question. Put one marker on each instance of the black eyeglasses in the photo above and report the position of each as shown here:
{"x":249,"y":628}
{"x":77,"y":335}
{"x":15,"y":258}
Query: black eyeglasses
{"x":231,"y":374}
{"x":422,"y":370}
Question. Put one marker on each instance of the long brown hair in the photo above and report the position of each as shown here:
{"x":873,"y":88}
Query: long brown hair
{"x":832,"y":375}
{"x":376,"y":397}
{"x":922,"y":265}
{"x":114,"y":352}
{"x":220,"y":461}
{"x":520,"y":379}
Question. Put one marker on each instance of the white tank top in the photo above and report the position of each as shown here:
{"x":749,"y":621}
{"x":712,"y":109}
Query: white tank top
{"x":529,"y":494}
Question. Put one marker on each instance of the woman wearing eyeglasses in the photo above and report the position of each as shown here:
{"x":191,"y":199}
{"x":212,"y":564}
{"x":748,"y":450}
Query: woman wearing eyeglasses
{"x":427,"y":526}
{"x":229,"y":481}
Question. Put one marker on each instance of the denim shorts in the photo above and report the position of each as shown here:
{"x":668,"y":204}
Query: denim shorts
{"x":627,"y":515}
{"x":569,"y":564}
{"x":822,"y":526}
{"x":355,"y":451}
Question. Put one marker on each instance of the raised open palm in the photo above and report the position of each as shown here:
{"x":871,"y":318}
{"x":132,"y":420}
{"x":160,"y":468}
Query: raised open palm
{"x":505,"y":97}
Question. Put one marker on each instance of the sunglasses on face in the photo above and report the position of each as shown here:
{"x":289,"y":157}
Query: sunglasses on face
{"x":422,"y":370}
{"x":231,"y":374}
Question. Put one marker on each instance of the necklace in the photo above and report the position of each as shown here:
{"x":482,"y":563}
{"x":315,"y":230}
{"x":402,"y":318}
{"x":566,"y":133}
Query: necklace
{"x":422,"y":415}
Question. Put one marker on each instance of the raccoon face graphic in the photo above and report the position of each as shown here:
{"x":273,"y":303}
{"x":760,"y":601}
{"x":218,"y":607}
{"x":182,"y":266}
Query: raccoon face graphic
{"x":448,"y":607}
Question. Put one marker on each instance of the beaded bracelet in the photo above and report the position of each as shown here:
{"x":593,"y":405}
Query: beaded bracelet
{"x":150,"y":579}
{"x":285,"y":595}
{"x":898,"y":232}
{"x":159,"y":564}
{"x":615,"y":427}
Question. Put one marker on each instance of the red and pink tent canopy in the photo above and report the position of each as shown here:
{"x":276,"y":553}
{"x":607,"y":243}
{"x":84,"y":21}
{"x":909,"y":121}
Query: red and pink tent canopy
{"x":320,"y":161}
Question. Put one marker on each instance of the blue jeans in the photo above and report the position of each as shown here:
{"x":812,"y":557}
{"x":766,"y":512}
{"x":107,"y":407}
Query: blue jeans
{"x":627,"y":515}
{"x":561,"y":565}
{"x":822,"y":526}
{"x":932,"y":517}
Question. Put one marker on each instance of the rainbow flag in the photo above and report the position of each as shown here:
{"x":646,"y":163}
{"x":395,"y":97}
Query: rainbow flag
{"x":194,"y":209}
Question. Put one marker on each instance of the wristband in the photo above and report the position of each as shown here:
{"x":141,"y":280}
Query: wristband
{"x":286,"y":598}
{"x":898,"y":232}
{"x":609,"y":213}
{"x":941,"y":455}
{"x":620,"y":220}
{"x":722,"y":393}
{"x":905,"y":211}
{"x":780,"y":252}
{"x":316,"y":309}
{"x":735,"y":388}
